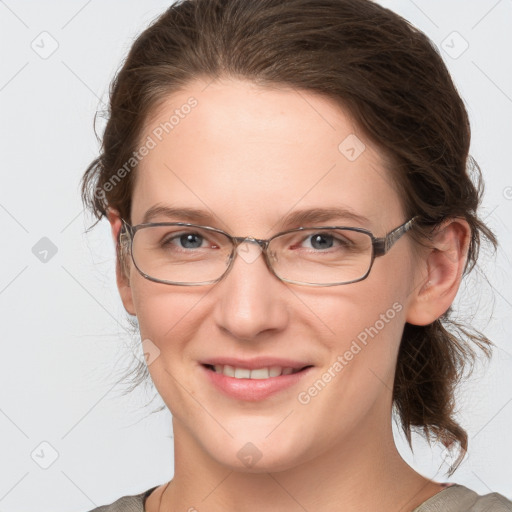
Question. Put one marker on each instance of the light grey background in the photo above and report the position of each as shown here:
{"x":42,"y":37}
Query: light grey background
{"x":65,"y":339}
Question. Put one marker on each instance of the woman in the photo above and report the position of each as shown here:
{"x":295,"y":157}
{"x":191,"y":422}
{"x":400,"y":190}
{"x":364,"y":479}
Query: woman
{"x":287,"y":185}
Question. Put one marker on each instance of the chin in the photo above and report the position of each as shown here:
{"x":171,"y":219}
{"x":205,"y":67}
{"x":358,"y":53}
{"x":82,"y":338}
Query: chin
{"x":257,"y":456}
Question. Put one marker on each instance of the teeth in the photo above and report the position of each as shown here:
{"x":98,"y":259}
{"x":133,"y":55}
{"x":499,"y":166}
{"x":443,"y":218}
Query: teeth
{"x":242,"y":373}
{"x":258,"y":373}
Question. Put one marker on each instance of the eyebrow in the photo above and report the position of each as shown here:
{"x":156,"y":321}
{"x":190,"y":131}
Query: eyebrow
{"x":192,"y":215}
{"x":296,"y":218}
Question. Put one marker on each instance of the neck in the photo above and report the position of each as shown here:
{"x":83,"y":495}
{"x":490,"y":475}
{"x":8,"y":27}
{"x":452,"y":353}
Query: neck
{"x":364,"y":472}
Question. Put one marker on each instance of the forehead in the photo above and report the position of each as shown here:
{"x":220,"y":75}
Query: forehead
{"x":249,"y":155}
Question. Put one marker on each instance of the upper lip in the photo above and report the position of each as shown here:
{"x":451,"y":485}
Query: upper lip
{"x":257,"y":362}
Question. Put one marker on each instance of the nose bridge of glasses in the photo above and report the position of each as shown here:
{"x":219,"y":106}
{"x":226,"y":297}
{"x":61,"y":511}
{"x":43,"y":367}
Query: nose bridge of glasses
{"x":249,"y":248}
{"x":237,"y":240}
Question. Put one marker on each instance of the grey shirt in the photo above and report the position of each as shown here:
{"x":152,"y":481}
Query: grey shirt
{"x":455,"y":498}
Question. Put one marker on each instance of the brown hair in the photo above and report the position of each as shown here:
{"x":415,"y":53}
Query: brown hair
{"x":388,"y":76}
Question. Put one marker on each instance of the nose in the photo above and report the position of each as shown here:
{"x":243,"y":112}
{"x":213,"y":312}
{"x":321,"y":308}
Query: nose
{"x":251,"y":300}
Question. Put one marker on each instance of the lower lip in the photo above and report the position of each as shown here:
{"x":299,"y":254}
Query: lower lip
{"x":253,"y":389}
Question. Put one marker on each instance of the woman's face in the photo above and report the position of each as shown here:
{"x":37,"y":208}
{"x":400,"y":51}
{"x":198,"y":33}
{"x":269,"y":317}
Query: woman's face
{"x":248,"y":158}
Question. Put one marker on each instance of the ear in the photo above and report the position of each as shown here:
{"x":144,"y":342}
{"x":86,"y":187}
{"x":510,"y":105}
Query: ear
{"x":123,"y":266}
{"x":441,"y":267}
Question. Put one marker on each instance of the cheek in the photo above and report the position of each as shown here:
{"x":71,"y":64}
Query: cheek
{"x":379,"y":318}
{"x":166,"y":314}
{"x":168,"y":319}
{"x":343,"y":313}
{"x":362,"y":325}
{"x":356,"y":380}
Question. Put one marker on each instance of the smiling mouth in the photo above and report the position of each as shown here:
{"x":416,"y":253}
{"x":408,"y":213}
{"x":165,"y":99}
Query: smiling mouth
{"x":255,"y":374}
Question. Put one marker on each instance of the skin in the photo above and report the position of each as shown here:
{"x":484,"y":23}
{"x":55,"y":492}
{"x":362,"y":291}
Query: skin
{"x":249,"y":155}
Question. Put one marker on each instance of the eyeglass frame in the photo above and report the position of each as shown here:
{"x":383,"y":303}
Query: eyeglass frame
{"x":380,"y":247}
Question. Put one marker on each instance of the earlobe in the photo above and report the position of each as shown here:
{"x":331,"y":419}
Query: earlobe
{"x":122,"y":279}
{"x":441,"y":269}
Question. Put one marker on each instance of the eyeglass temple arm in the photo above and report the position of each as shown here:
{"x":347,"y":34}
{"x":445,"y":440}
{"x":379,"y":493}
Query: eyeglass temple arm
{"x":125,"y":233}
{"x":383,"y":245}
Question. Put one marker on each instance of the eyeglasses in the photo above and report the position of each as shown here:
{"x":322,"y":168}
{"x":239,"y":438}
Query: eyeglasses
{"x":184,"y":254}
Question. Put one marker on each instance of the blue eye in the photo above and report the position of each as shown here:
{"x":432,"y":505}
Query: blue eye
{"x":191,"y":240}
{"x":325,"y":240}
{"x":178,"y":240}
{"x":321,"y":241}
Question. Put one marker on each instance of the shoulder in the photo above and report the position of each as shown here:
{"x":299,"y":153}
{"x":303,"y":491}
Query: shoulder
{"x":458,"y":498}
{"x":133,"y":503}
